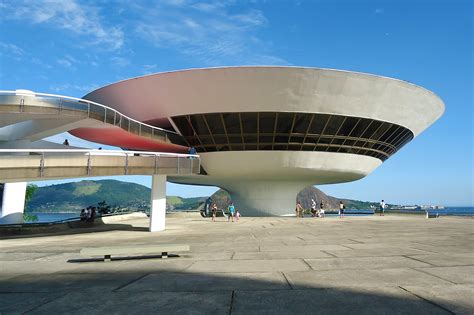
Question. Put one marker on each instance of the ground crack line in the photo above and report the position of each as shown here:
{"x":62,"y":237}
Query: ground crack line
{"x":130,"y":282}
{"x":48,"y":301}
{"x":429,"y":301}
{"x":231,"y":302}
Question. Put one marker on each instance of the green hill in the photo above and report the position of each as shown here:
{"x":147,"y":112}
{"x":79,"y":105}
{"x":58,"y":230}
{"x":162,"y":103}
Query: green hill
{"x":72,"y":197}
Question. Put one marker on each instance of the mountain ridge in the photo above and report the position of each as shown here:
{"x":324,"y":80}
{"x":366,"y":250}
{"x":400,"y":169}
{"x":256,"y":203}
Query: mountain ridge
{"x":72,"y":197}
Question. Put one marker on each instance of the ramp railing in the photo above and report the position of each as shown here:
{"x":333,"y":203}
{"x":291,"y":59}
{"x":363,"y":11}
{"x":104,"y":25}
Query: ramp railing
{"x":41,"y":103}
{"x":41,"y":164}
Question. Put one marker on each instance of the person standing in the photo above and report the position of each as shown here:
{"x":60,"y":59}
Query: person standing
{"x":322,"y":213}
{"x":214,"y":212}
{"x":237,"y":215}
{"x":313,"y":208}
{"x":299,"y":210}
{"x":382,"y":207}
{"x":341,"y":209}
{"x":231,"y":211}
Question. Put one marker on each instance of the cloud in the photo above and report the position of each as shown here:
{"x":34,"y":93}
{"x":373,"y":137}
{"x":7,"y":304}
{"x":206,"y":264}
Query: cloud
{"x":8,"y":49}
{"x":69,"y":88}
{"x":68,"y":15}
{"x":68,"y":62}
{"x":119,"y":61}
{"x":213,"y":33}
{"x":148,"y":69}
{"x":379,"y":11}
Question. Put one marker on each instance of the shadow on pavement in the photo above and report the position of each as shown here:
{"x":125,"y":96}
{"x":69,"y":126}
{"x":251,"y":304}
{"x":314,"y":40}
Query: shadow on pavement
{"x":64,"y":229}
{"x":150,"y":290}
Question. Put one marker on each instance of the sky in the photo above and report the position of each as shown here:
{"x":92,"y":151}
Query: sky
{"x":72,"y":47}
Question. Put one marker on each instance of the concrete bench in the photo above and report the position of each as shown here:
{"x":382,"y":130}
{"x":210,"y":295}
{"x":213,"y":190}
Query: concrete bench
{"x":108,"y":251}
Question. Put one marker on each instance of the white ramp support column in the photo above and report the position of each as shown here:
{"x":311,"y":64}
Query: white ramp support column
{"x":13,"y":203}
{"x":158,"y":203}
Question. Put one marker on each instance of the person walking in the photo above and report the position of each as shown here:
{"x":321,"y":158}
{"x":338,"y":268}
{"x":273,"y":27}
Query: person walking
{"x":214,"y":212}
{"x":231,"y":211}
{"x":382,"y":207}
{"x":341,"y":209}
{"x":237,"y":215}
{"x":322,"y":213}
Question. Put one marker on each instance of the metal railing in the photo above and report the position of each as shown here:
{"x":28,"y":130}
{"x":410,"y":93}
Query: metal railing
{"x":39,"y":164}
{"x":42,"y":103}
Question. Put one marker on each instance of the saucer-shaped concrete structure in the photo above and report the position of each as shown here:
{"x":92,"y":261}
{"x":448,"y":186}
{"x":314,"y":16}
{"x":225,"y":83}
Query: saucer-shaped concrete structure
{"x":265,"y":133}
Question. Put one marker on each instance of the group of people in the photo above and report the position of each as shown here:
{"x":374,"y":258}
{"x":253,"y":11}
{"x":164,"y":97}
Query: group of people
{"x":233,"y":212}
{"x":321,"y":213}
{"x":316,"y":213}
{"x":88,"y":214}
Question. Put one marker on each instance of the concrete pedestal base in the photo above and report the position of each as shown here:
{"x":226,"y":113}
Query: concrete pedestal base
{"x":13,"y":203}
{"x":265,"y":198}
{"x":158,"y":203}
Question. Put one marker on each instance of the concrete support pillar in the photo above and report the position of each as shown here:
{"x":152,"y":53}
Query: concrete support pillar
{"x":158,"y":203}
{"x":269,"y":198}
{"x":13,"y":203}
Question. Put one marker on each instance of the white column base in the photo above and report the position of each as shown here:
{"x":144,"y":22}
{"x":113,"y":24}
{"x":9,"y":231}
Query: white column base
{"x":13,"y":203}
{"x":265,"y":198}
{"x":158,"y":203}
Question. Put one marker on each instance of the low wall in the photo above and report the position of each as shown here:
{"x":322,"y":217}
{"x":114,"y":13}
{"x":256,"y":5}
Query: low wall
{"x":184,"y":214}
{"x":47,"y":228}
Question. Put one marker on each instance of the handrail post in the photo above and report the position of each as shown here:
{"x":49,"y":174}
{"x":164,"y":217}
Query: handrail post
{"x":156,"y":164}
{"x":22,"y":104}
{"x":179,"y":158}
{"x":89,"y":165}
{"x":41,"y":171}
{"x":60,"y":105}
{"x":126,"y":163}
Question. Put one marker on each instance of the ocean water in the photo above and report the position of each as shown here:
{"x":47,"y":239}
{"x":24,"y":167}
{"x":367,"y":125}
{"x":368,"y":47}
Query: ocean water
{"x":458,"y":211}
{"x":53,"y":217}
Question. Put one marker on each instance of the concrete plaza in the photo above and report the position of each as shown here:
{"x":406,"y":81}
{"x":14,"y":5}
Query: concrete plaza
{"x":371,"y":264}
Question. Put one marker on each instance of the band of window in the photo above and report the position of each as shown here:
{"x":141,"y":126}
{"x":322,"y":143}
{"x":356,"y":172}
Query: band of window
{"x":292,"y":132}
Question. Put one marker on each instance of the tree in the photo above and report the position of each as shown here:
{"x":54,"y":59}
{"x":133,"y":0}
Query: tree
{"x":103,"y":207}
{"x":30,"y":191}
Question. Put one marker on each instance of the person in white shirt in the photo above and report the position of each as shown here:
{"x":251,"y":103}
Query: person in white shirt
{"x":382,"y":207}
{"x":313,"y":208}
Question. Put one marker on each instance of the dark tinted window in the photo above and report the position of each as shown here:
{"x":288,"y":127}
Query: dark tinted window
{"x":199,"y":125}
{"x":302,"y":123}
{"x":333,"y":125}
{"x":318,"y":123}
{"x":249,"y":122}
{"x":267,"y":122}
{"x":232,"y":123}
{"x":360,"y":128}
{"x":285,"y":121}
{"x":348,"y":125}
{"x":215,"y":123}
{"x":371,"y":129}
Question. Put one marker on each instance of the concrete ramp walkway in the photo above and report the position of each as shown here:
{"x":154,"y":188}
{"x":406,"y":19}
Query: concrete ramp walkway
{"x":17,"y":165}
